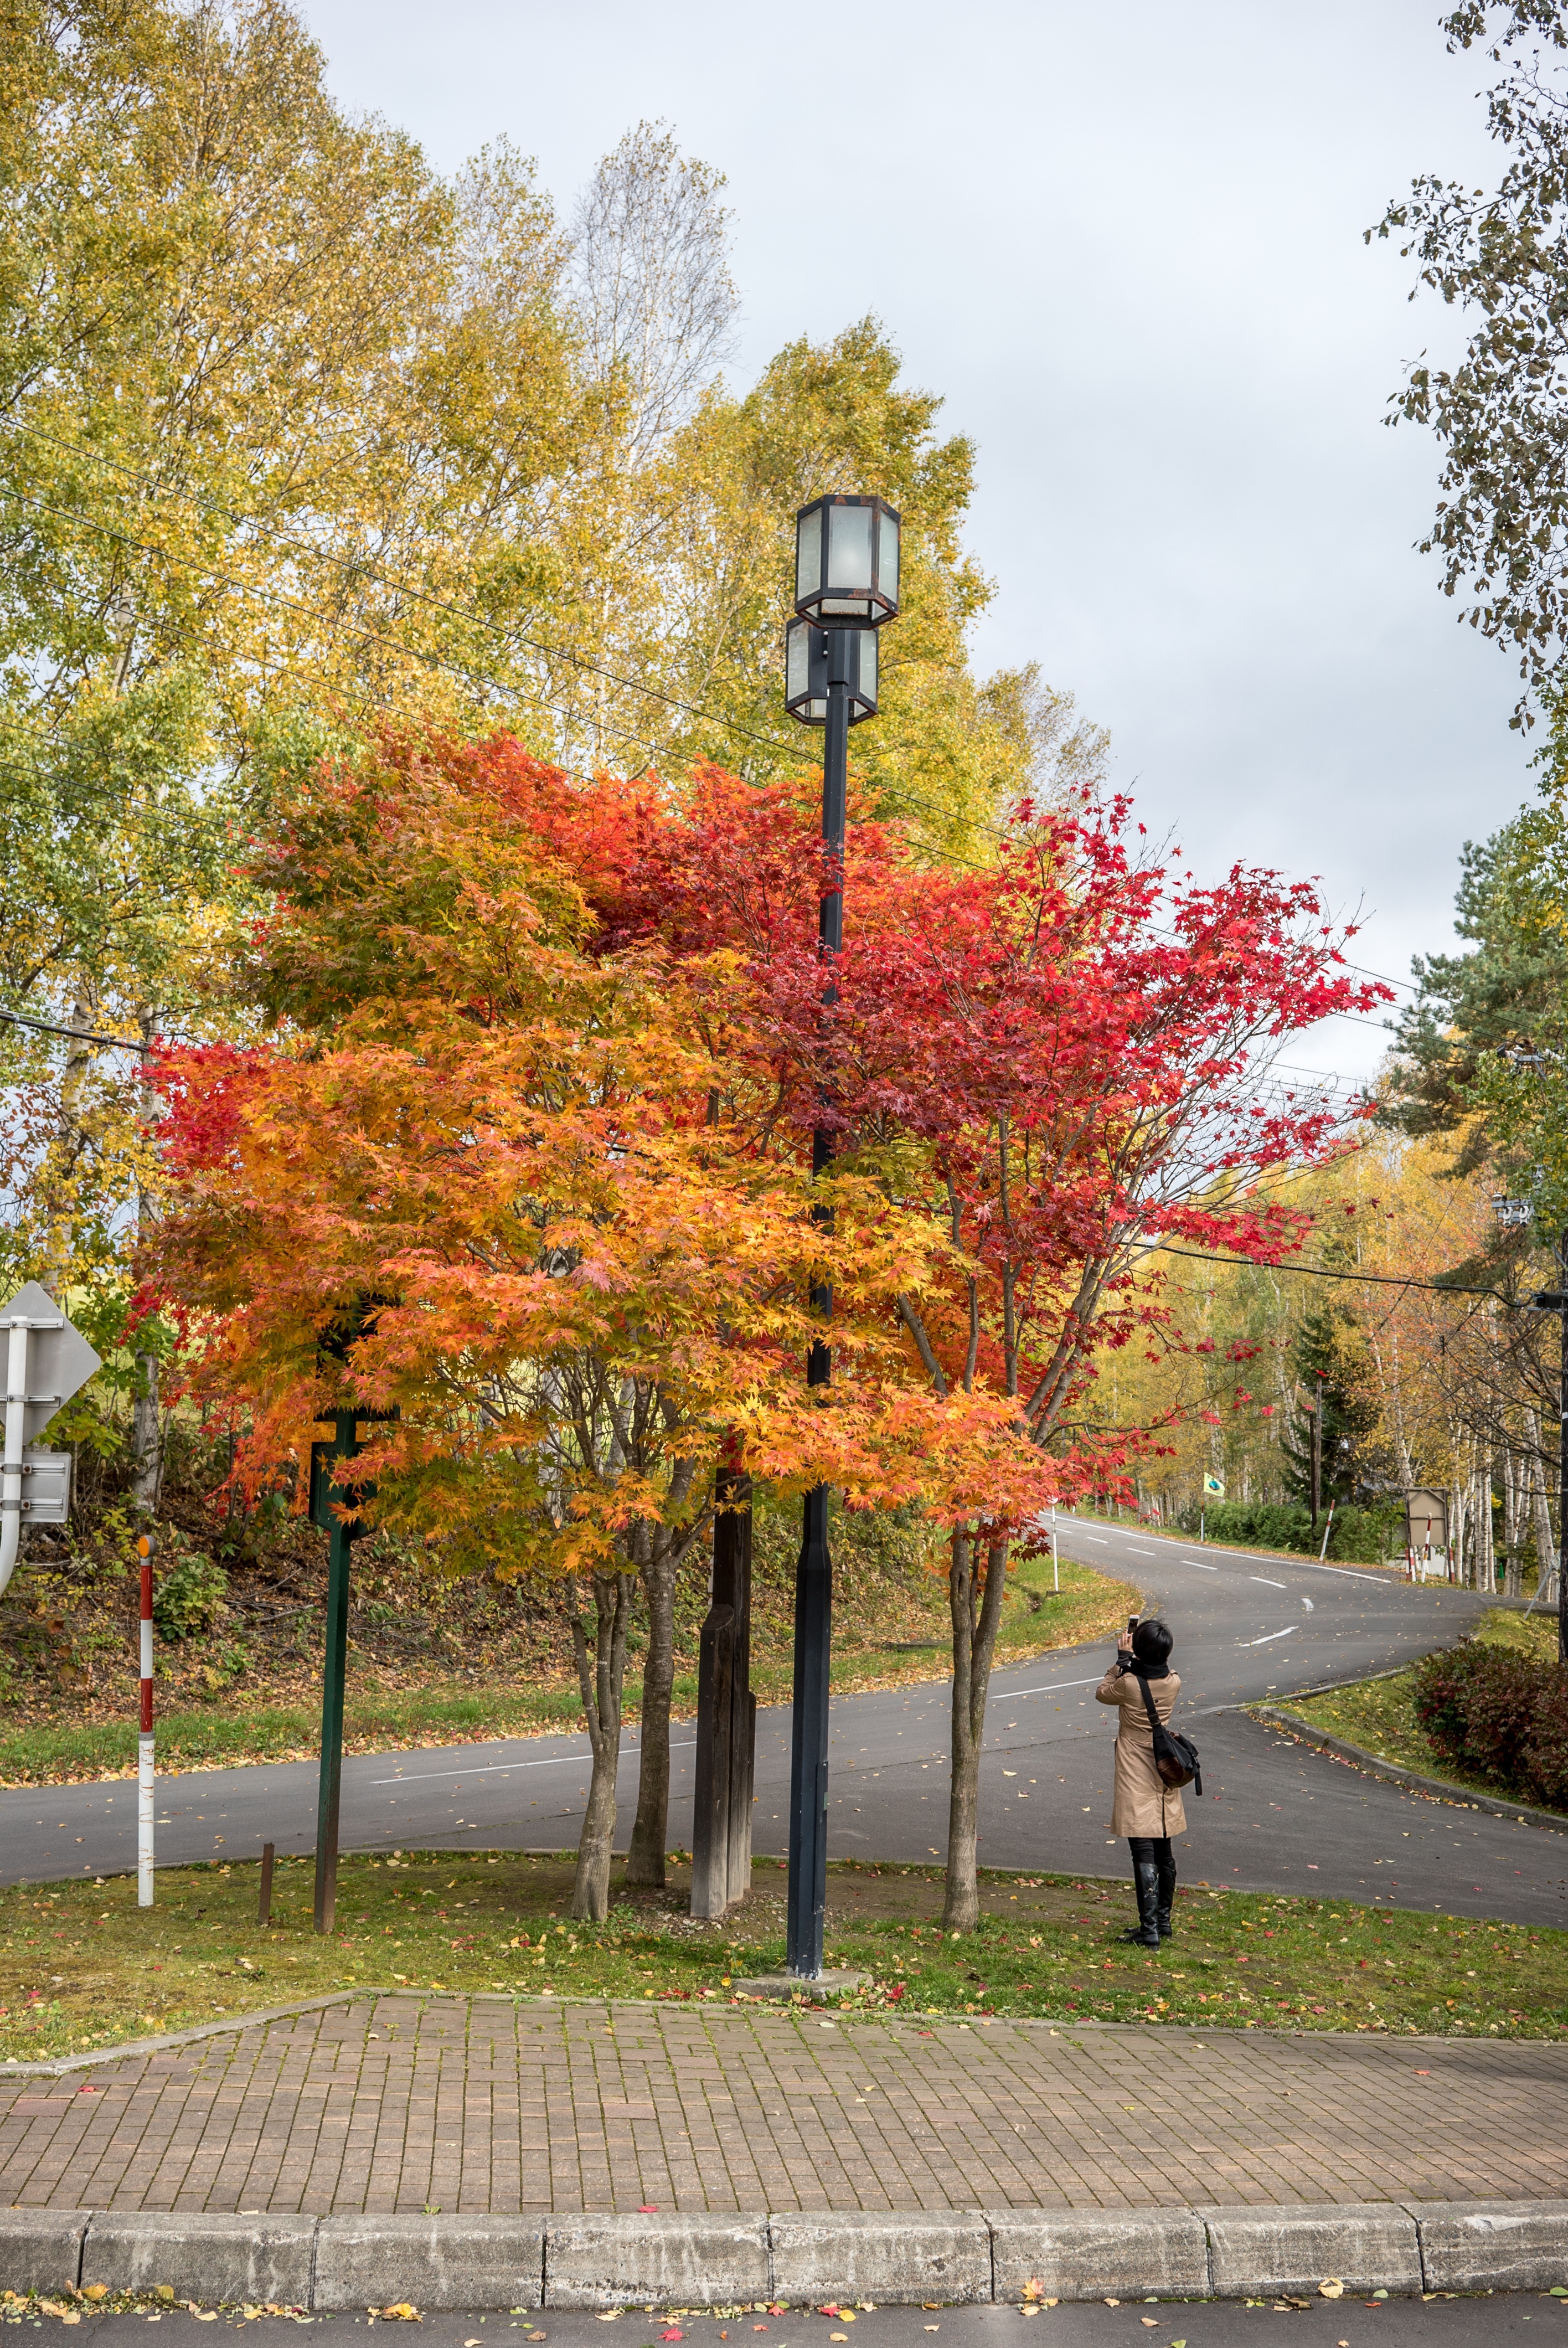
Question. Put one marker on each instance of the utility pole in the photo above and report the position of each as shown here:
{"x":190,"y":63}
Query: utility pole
{"x":1555,"y":1300}
{"x":1562,"y":1453}
{"x":1316,"y":1455}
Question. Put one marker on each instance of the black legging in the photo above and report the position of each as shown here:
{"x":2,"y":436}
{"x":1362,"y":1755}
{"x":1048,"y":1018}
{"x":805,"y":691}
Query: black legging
{"x":1156,"y":1849}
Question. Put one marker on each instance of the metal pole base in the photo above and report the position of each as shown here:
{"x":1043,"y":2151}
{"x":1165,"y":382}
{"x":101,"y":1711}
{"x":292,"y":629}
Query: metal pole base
{"x":807,"y":1898}
{"x":329,"y":1787}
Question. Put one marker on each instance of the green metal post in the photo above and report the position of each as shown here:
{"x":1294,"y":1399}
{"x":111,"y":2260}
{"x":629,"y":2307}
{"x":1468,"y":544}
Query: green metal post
{"x":336,"y":1665}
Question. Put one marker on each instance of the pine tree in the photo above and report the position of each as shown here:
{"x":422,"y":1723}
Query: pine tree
{"x":1323,"y":1350}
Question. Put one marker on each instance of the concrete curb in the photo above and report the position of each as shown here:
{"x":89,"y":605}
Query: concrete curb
{"x":596,"y":2258}
{"x":1276,"y":1716}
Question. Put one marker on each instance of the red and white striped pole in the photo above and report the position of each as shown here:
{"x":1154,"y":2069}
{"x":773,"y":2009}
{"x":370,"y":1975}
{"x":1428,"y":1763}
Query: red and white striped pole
{"x":144,"y":1788}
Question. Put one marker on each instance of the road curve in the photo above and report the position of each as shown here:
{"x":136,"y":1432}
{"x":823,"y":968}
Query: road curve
{"x":1274,"y":1816}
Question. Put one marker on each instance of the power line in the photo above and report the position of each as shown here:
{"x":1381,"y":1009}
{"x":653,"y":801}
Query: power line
{"x":404,"y":587}
{"x":315,"y":611}
{"x":437,"y":660}
{"x":1317,"y":1272}
{"x":786,"y":749}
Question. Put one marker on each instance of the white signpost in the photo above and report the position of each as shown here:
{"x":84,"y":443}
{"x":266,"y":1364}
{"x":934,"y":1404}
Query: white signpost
{"x":46,"y":1360}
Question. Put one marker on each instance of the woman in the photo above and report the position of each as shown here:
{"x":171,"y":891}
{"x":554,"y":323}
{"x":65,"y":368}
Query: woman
{"x":1145,"y":1809}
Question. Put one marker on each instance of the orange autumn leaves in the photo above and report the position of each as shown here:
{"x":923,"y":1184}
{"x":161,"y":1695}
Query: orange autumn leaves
{"x":490,"y":1130}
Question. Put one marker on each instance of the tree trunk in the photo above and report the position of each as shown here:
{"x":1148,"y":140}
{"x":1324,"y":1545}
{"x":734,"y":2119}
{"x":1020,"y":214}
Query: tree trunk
{"x":645,"y":1860}
{"x":1545,"y":1547}
{"x":145,"y":1428}
{"x":1513,"y":1523}
{"x":601,"y":1678}
{"x":727,"y":1711}
{"x":977,"y":1618}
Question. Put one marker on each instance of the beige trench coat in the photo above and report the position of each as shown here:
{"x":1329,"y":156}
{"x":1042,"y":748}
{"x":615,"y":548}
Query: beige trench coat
{"x":1142,"y":1804}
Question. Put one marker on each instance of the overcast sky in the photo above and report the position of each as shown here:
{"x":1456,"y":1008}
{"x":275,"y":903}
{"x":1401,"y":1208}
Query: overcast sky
{"x":1125,"y":245}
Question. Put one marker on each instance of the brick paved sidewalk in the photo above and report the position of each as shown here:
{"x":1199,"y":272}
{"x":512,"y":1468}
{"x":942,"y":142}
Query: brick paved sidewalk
{"x":384,"y":2103}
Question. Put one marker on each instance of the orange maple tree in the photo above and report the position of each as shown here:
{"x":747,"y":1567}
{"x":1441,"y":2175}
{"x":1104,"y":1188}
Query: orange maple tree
{"x":483,"y":1135}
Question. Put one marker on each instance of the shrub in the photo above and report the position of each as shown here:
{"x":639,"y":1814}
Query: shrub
{"x":187,"y":1593}
{"x":1495,"y":1713}
{"x":1358,"y":1537}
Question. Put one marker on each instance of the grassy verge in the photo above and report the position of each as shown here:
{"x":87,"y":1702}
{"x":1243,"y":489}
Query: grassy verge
{"x":1379,"y":1714}
{"x":381,"y":1719}
{"x":82,"y":1967}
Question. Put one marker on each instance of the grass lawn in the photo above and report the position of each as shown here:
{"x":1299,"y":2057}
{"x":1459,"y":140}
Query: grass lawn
{"x":1379,"y":1714}
{"x":382,"y":1719}
{"x":81,"y":1966}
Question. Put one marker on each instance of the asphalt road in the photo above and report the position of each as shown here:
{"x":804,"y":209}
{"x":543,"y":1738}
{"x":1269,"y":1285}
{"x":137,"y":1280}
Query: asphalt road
{"x":1274,"y":1816}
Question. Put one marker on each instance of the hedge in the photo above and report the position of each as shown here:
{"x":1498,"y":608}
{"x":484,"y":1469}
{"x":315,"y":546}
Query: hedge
{"x":1359,"y":1536}
{"x":1497,"y":1715}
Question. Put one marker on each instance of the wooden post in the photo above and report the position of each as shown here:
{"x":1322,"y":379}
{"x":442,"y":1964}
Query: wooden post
{"x":264,"y":1904}
{"x":743,"y":1705}
{"x":711,"y":1800}
{"x":726,"y":1712}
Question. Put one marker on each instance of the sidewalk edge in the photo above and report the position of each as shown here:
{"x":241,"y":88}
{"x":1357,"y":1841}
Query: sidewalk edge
{"x":605,"y":2259}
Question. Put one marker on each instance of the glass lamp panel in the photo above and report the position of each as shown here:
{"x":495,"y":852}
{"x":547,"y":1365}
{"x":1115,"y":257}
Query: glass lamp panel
{"x":849,"y":550}
{"x":797,"y":659}
{"x":868,"y":663}
{"x":808,"y":552}
{"x":887,"y":557}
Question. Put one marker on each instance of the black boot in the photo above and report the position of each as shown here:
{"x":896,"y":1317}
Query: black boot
{"x":1147,"y":1883}
{"x":1166,"y":1878}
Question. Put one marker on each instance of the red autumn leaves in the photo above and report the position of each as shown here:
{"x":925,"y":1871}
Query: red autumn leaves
{"x":548,"y":1058}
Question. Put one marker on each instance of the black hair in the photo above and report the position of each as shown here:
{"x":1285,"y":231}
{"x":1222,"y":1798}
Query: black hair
{"x":1151,"y":1643}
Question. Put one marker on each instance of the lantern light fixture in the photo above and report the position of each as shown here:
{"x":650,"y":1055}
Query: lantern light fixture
{"x":846,"y":562}
{"x":815,"y":656}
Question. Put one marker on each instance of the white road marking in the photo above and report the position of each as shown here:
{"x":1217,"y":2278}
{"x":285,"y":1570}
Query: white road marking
{"x":1100,"y":1537}
{"x":1267,"y":1583}
{"x":1142,"y":1552}
{"x":1201,"y":1568}
{"x":1049,"y":1690}
{"x":1308,"y":1603}
{"x":499,"y":1769}
{"x":1301,"y":1565}
{"x":1271,"y":1634}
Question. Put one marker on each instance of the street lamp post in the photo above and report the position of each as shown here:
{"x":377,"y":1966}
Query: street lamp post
{"x":847,"y":587}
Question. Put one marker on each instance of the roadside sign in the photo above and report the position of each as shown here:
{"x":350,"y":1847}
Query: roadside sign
{"x":1214,"y":1488}
{"x":1426,"y":1520}
{"x":60,"y":1358}
{"x":46,"y":1360}
{"x":46,"y":1491}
